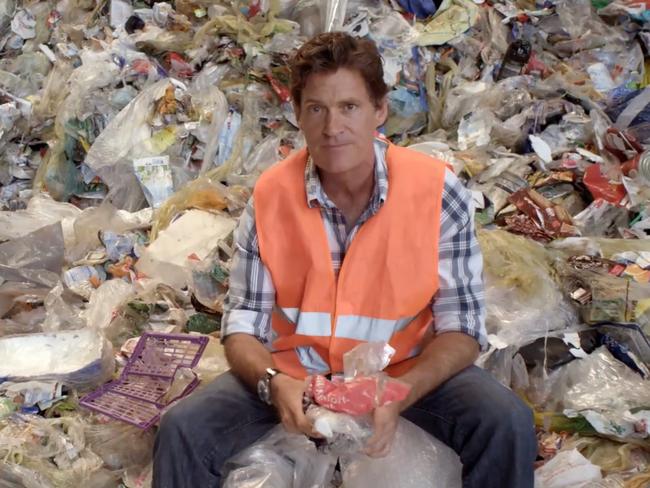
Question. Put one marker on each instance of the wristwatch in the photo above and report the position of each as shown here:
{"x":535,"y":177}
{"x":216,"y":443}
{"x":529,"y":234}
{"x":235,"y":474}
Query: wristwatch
{"x":264,"y":385}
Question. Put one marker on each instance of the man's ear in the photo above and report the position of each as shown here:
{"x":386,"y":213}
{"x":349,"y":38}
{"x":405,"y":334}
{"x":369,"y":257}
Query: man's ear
{"x":381,"y":111}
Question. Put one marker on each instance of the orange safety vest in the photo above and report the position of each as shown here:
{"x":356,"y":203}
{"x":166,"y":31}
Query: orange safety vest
{"x":387,"y":279}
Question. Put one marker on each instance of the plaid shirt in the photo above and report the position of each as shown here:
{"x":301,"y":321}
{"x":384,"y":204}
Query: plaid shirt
{"x":458,"y":305}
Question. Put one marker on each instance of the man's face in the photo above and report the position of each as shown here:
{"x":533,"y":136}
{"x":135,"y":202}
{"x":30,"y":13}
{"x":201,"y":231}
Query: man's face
{"x":338,"y":118}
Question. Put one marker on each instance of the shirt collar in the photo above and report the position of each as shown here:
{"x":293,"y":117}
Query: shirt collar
{"x":317,"y":196}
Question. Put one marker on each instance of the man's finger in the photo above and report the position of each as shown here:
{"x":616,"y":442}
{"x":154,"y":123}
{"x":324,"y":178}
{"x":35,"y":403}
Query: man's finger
{"x":376,"y":450}
{"x":376,"y":442}
{"x":306,"y":427}
{"x":377,"y":436}
{"x":385,"y":451}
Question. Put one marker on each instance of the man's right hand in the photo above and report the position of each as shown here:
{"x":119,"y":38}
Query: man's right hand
{"x":287,"y":394}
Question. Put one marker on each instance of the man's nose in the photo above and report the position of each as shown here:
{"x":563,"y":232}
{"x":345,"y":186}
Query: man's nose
{"x":333,"y":124}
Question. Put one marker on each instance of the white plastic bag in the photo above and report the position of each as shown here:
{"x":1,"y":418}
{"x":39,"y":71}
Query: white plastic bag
{"x":569,"y":469}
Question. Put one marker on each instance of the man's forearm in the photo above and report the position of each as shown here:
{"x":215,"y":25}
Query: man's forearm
{"x":248,"y":358}
{"x":444,"y":356}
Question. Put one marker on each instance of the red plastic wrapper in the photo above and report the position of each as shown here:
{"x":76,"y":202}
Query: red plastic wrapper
{"x":280,"y":90}
{"x":543,"y":217}
{"x":358,"y":396}
{"x":601,"y":187}
{"x":177,"y":64}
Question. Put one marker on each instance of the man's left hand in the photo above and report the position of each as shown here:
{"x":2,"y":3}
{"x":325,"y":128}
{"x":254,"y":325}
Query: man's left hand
{"x":385,"y":421}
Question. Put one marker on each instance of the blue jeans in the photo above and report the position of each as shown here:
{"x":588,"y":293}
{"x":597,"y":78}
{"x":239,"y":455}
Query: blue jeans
{"x":489,"y":427}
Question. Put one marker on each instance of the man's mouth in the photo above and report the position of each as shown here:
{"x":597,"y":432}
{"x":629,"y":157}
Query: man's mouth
{"x":334,"y":146}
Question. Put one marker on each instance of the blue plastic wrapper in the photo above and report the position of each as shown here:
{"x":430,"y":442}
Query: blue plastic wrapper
{"x":619,"y":99}
{"x":622,"y":353}
{"x":420,"y":8}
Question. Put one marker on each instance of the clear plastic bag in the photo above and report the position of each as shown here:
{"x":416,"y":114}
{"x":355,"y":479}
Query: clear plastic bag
{"x":523,"y":300}
{"x":122,"y":140}
{"x":343,"y":434}
{"x":416,"y":459}
{"x":41,"y":211}
{"x":599,"y":388}
{"x":210,"y":277}
{"x":103,"y":303}
{"x":280,"y":460}
{"x":89,"y":358}
{"x":122,"y":447}
{"x":54,"y":450}
{"x":41,"y":249}
{"x":63,"y":310}
{"x":334,"y":14}
{"x":16,"y":476}
{"x":364,"y":386}
{"x":82,"y":236}
{"x":603,"y":383}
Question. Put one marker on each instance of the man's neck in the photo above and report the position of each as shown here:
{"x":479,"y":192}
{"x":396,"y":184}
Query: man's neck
{"x":350,"y":184}
{"x":350,"y":191}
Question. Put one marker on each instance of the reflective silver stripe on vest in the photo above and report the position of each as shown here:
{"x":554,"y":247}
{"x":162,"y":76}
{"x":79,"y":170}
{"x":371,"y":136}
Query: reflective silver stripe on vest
{"x":369,"y":329}
{"x":311,"y":360}
{"x":317,"y":324}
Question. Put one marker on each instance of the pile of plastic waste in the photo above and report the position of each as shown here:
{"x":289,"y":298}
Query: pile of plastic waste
{"x":132,"y":133}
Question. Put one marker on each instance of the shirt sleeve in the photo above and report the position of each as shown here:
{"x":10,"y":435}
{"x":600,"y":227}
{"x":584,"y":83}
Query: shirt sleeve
{"x":251,"y":294}
{"x":459,"y":304}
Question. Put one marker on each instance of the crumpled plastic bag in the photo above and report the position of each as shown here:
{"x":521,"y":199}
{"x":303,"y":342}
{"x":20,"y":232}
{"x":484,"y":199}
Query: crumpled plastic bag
{"x":17,"y":476}
{"x":103,"y":303}
{"x":122,"y":447}
{"x":41,"y":211}
{"x":280,"y":460}
{"x":41,"y":249}
{"x":52,"y":451}
{"x":568,"y":469}
{"x":343,"y":434}
{"x":130,"y":135}
{"x":523,"y":300}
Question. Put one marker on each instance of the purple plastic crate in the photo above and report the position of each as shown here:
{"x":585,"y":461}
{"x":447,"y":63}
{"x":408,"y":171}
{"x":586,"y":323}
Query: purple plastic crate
{"x":138,"y":396}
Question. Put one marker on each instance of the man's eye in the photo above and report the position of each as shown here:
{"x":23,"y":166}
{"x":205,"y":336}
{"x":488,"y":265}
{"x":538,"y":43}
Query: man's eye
{"x":350,"y":106}
{"x":314,"y":109}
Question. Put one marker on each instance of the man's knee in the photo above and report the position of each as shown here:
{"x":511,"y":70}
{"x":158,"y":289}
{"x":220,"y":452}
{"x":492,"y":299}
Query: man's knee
{"x":510,"y":421}
{"x":176,"y":423}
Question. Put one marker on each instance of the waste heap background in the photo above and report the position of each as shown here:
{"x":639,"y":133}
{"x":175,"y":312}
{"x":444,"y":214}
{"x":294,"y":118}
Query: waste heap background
{"x":132,"y":133}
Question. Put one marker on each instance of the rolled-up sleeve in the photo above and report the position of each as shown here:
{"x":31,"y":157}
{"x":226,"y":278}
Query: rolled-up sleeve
{"x":459,"y":304}
{"x":251,"y":294}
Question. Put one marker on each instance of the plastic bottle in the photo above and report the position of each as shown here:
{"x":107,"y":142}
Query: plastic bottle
{"x":515,"y":59}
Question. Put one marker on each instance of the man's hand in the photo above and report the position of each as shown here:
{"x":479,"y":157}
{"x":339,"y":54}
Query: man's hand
{"x":385,"y":421}
{"x":287,"y":394}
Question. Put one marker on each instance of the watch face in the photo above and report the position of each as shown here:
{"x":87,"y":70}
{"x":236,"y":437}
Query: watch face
{"x":264,"y":390}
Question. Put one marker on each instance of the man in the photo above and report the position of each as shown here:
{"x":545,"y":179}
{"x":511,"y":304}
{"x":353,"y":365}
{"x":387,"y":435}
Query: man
{"x":352,"y":240}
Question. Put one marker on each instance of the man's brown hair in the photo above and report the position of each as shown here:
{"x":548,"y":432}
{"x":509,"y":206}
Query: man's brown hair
{"x":333,"y":50}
